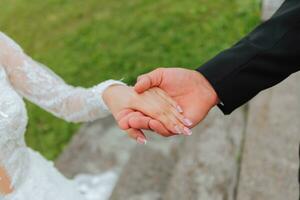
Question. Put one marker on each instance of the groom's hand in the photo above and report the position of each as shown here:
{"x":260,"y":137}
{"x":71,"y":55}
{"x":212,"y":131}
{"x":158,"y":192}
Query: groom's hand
{"x":188,"y":88}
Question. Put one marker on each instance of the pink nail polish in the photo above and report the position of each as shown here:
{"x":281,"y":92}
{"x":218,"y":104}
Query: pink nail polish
{"x":187,"y":122}
{"x":178,"y":130}
{"x":179,"y":109}
{"x":141,"y":140}
{"x":187,"y":131}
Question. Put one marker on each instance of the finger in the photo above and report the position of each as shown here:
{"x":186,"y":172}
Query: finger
{"x":144,"y":83}
{"x":176,"y":110}
{"x":149,"y":80}
{"x":162,"y":111}
{"x":159,"y":128}
{"x":123,"y":122}
{"x":139,"y":122}
{"x":144,"y":122}
{"x":187,"y":122}
{"x":137,"y":135}
{"x":123,"y":113}
{"x":168,"y":99}
{"x":168,"y":115}
{"x":173,"y":120}
{"x":174,"y":124}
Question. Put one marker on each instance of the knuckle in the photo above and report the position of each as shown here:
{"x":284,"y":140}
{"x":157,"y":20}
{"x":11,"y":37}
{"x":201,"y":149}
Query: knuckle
{"x":135,"y":122}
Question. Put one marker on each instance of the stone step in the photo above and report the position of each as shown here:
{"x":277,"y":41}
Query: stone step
{"x":97,"y":147}
{"x":149,"y":169}
{"x":209,"y":160}
{"x":270,"y":159}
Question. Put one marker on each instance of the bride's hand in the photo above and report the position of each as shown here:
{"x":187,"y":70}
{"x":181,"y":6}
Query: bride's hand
{"x":125,"y":103}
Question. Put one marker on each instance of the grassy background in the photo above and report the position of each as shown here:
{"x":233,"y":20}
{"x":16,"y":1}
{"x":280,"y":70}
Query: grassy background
{"x":89,"y":41}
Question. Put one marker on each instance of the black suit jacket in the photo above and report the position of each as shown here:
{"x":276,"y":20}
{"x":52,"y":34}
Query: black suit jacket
{"x":263,"y":58}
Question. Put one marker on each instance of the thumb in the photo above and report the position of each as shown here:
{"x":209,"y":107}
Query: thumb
{"x":147,"y":81}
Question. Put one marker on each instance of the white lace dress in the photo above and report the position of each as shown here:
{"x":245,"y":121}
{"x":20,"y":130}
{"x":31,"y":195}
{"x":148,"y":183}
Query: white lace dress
{"x":33,"y":177}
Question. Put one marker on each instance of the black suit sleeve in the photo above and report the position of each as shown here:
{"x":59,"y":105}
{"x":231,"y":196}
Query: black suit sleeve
{"x":260,"y":60}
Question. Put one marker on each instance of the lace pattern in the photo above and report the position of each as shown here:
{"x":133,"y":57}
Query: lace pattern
{"x":21,"y":76}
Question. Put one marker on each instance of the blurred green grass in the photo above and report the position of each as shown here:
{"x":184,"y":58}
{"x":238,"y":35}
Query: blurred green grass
{"x":89,"y":41}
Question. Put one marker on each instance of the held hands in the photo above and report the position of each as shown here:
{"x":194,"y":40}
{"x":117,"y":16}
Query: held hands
{"x":153,"y":109}
{"x":160,"y":101}
{"x":189,"y":88}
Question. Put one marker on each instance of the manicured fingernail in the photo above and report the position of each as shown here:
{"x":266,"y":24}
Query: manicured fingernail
{"x":178,"y":130}
{"x":179,"y":109}
{"x":187,"y":122}
{"x":187,"y":131}
{"x":141,"y":140}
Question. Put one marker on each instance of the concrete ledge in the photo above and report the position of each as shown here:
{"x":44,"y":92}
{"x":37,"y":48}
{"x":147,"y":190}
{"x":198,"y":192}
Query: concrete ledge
{"x":270,"y":160}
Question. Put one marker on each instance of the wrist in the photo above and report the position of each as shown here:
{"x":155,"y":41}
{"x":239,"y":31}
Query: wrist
{"x":115,"y":97}
{"x":212,"y":96}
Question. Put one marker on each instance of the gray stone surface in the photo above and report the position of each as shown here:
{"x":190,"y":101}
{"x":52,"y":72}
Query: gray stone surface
{"x":145,"y":177}
{"x":270,"y":160}
{"x":209,"y":160}
{"x":98,"y":147}
{"x":269,"y":7}
{"x":149,"y":169}
{"x":101,"y":146}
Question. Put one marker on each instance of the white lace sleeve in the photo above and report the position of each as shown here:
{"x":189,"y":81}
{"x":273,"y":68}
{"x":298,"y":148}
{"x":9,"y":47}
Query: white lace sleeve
{"x":41,"y":86}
